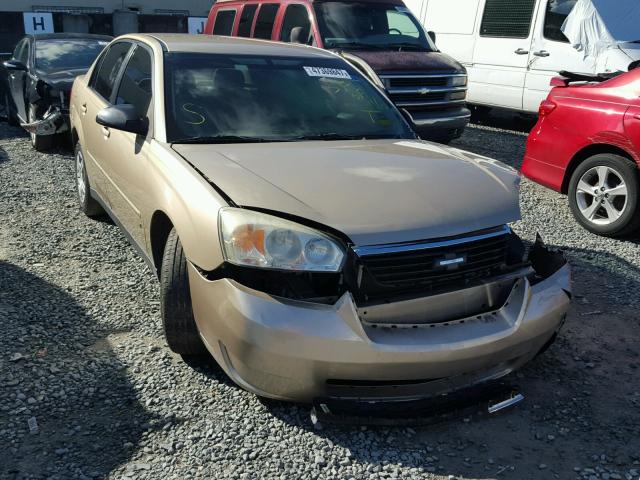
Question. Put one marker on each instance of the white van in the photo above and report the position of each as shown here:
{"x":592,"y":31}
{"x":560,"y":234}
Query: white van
{"x":512,"y":48}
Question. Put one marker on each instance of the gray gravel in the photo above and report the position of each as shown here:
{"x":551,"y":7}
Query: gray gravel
{"x":88,"y":388}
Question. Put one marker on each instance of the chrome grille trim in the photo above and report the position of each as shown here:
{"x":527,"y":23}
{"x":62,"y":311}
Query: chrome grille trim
{"x":369,"y":250}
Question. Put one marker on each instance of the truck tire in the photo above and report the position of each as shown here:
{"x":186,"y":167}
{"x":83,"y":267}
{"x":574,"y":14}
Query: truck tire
{"x":180,"y":328}
{"x":603,"y":195}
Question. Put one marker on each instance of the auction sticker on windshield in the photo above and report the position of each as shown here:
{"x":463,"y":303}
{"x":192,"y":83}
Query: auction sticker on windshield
{"x":327,"y":72}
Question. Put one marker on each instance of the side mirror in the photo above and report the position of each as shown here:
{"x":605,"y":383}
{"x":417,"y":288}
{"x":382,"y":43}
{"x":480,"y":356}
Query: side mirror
{"x":15,"y":66}
{"x":432,"y":36}
{"x":123,"y":117}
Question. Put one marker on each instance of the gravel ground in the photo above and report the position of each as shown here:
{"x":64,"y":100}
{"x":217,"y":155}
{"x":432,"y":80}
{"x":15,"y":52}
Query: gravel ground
{"x":88,"y":388}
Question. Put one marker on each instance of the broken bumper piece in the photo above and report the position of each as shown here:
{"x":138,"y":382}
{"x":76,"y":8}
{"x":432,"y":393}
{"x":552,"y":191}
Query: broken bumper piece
{"x":52,"y":122}
{"x":482,"y":399}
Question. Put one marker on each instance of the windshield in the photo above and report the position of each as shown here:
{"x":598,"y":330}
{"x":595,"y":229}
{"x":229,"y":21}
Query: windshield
{"x":230,"y":99}
{"x":370,"y":25}
{"x":67,"y":54}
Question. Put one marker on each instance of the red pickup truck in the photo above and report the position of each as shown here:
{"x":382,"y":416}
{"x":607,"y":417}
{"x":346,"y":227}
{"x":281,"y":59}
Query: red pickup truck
{"x":381,"y":38}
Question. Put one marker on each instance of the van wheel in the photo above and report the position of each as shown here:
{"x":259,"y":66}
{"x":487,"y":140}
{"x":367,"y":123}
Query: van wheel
{"x":180,"y":328}
{"x":88,"y":205}
{"x":603,"y":195}
{"x":8,"y":109}
{"x":41,"y":143}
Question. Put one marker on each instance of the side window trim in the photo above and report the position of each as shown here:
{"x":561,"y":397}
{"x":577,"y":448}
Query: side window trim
{"x":267,"y":3}
{"x":151,"y":110}
{"x":118,"y":76}
{"x":118,"y":80}
{"x":246,"y":6}
{"x":283,"y":15}
{"x":233,"y":23}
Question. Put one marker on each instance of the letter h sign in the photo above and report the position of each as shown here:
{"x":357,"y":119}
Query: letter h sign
{"x":36,"y":23}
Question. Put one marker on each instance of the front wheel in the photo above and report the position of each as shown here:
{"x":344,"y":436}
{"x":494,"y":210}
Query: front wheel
{"x":603,"y":195}
{"x":41,"y":143}
{"x":8,"y":109}
{"x":89,"y":206}
{"x":180,"y":328}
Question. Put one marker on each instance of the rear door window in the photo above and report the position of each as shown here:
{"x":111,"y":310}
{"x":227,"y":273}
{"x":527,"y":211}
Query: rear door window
{"x":224,"y":22}
{"x":265,"y":21}
{"x":507,"y":18}
{"x":109,"y":69}
{"x":246,"y":20}
{"x":296,"y":16}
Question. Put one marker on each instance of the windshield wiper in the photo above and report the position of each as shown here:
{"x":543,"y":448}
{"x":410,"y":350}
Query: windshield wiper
{"x":355,"y":45}
{"x":224,"y":139}
{"x":340,"y":136}
{"x":407,"y":45}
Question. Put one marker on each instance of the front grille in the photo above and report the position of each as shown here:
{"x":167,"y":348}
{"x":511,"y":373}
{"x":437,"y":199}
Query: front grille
{"x":399,"y":82}
{"x":421,"y":269}
{"x":423,"y":92}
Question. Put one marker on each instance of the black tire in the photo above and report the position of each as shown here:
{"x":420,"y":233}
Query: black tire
{"x":41,"y":143}
{"x":8,"y":109}
{"x":88,"y":205}
{"x":180,"y":328}
{"x":620,"y":168}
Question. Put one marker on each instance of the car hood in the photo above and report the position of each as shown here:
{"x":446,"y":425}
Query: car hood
{"x":375,"y":192}
{"x":61,"y":79}
{"x":394,"y":61}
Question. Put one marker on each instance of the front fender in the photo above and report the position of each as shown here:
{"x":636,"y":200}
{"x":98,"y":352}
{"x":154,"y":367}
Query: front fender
{"x":191,"y":203}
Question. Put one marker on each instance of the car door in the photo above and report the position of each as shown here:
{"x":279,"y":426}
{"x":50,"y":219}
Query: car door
{"x":124,"y":154}
{"x":632,"y":120}
{"x":501,"y":53}
{"x":551,"y":52}
{"x":17,"y":79}
{"x":98,"y":96}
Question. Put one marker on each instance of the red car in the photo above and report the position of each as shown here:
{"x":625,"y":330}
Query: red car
{"x":586,"y":144}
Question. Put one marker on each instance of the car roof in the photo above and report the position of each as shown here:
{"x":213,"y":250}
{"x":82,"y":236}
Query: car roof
{"x":184,"y":42}
{"x":70,"y":36}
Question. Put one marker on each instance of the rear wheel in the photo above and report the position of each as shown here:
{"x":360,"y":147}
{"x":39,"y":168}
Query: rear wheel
{"x":603,"y":195}
{"x":180,"y":328}
{"x":40,"y":142}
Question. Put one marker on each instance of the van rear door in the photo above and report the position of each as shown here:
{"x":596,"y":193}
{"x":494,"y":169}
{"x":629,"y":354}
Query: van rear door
{"x":551,"y":52}
{"x":501,"y":53}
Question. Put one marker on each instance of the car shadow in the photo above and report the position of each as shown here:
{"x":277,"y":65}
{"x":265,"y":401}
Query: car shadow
{"x":585,"y":383}
{"x":65,"y":396}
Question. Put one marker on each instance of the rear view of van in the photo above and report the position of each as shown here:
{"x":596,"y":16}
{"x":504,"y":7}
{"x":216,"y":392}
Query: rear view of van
{"x":381,"y":38}
{"x":513,"y":48}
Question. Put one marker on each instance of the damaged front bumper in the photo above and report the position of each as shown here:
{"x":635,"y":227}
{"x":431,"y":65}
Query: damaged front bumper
{"x":302,"y":351}
{"x":53,"y":121}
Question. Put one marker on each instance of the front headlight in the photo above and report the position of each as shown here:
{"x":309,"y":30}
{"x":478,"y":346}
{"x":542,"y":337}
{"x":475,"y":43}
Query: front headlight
{"x":259,"y":240}
{"x":460,"y":81}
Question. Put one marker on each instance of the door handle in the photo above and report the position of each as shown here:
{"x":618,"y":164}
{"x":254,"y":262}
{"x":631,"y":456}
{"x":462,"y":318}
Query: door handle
{"x":541,"y":53}
{"x":521,"y":51}
{"x":106,"y":132}
{"x":84,"y":108}
{"x":637,"y":116}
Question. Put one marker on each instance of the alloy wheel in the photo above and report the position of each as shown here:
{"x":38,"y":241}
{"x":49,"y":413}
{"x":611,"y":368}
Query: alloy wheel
{"x":601,"y":195}
{"x":80,"y":176}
